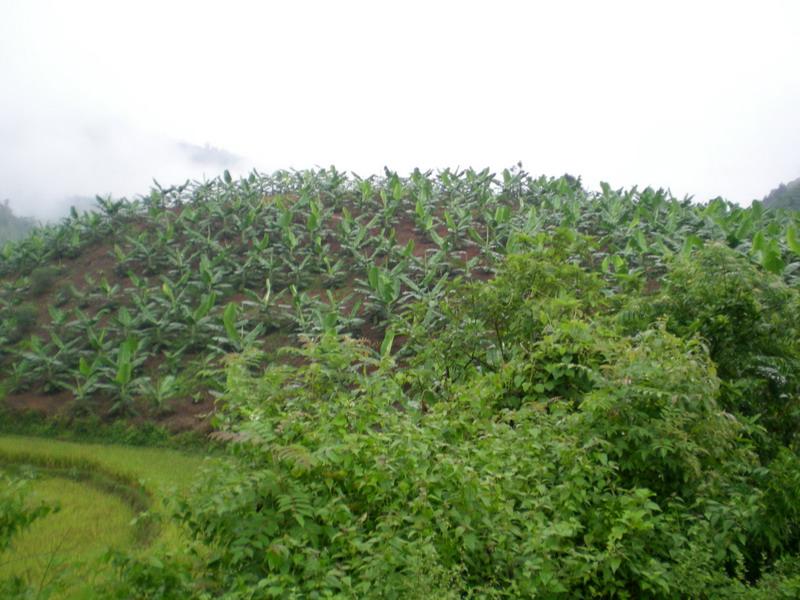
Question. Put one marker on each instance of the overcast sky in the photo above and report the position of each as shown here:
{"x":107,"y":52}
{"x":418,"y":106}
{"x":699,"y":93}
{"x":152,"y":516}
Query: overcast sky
{"x":702,"y":97}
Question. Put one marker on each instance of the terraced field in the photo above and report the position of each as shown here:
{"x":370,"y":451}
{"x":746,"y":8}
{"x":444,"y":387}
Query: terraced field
{"x":99,"y":491}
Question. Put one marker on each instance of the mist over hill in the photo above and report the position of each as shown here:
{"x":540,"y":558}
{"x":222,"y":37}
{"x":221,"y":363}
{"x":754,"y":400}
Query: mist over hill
{"x":53,"y":164}
{"x":21,"y":212}
{"x":206,"y":156}
{"x":13,"y":227}
{"x":786,"y":195}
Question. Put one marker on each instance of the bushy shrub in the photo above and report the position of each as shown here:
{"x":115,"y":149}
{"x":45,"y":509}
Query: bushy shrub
{"x":20,"y":321}
{"x":563,"y":459}
{"x":43,"y":278}
{"x":750,"y":320}
{"x":149,"y":578}
{"x":565,"y":456}
{"x":535,"y":322}
{"x":343,"y":487}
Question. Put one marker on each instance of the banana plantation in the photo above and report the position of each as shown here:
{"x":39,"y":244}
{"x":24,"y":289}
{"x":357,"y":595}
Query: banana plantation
{"x":133,"y":307}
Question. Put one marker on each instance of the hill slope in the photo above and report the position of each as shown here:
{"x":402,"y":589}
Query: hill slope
{"x":448,"y":385}
{"x":130,"y":310}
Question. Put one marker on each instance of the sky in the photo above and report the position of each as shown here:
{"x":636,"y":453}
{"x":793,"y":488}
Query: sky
{"x":700,"y":97}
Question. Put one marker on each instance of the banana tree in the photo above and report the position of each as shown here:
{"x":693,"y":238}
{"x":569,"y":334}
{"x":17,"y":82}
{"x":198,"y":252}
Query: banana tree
{"x":213,"y":276}
{"x":383,"y":292}
{"x":125,"y":381}
{"x":192,"y":328}
{"x":301,"y":311}
{"x":266,"y":305}
{"x":240,"y":335}
{"x":50,"y":363}
{"x":334,"y":316}
{"x":366,"y":192}
{"x":144,"y":251}
{"x":88,"y":380}
{"x":20,"y":375}
{"x":423,"y":216}
{"x":767,"y":253}
{"x":390,"y":204}
{"x":159,"y":391}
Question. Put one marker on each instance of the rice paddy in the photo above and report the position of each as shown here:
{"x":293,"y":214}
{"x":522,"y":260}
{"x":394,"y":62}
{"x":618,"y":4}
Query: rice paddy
{"x":99,"y":490}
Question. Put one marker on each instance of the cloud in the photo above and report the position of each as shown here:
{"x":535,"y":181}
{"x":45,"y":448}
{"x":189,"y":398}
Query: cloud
{"x":697,"y":97}
{"x":51,"y":156}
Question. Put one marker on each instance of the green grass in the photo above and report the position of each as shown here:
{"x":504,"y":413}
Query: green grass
{"x":88,"y":523}
{"x":161,"y":471}
{"x":98,"y":502}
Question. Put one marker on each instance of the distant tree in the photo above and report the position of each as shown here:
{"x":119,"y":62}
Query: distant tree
{"x":13,"y":227}
{"x":786,"y":195}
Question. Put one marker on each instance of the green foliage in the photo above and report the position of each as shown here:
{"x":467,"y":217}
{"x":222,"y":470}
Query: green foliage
{"x":148,"y":578}
{"x":335,"y":491}
{"x":92,"y":429}
{"x":15,"y":513}
{"x":751,"y":323}
{"x":554,"y":392}
{"x":532,"y":319}
{"x":579,"y":461}
{"x":19,"y":321}
{"x":43,"y":278}
{"x":203,"y":269}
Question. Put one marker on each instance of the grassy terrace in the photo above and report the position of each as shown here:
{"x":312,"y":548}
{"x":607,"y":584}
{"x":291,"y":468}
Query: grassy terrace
{"x":99,"y":489}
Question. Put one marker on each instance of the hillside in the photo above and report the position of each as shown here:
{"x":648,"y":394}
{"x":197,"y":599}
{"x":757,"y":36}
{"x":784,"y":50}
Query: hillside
{"x":786,"y":195}
{"x":445,"y":385}
{"x":130,"y":310}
